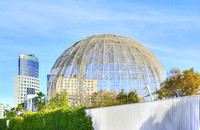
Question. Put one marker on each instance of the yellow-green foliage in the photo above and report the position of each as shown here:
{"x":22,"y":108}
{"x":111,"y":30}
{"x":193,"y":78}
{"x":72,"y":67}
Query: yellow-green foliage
{"x":16,"y":123}
{"x":53,"y":119}
{"x":67,"y":119}
{"x":33,"y":120}
{"x":3,"y":124}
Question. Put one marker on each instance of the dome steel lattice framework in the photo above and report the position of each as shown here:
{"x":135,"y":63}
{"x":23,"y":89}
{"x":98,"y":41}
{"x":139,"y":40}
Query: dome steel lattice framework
{"x":106,"y":63}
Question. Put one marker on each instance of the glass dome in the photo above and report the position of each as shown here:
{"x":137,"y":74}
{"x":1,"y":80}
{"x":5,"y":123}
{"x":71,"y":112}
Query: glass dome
{"x":106,"y":63}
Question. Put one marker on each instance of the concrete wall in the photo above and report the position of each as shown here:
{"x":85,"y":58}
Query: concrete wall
{"x":172,"y":114}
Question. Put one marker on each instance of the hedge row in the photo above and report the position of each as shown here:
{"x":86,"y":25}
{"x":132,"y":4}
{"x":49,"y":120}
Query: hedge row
{"x":3,"y":124}
{"x":16,"y":123}
{"x":52,"y":119}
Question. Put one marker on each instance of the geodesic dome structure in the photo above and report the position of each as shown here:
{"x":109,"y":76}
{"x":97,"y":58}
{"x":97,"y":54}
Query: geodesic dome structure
{"x":106,"y":63}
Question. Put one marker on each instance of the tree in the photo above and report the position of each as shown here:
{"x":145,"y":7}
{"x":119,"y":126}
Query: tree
{"x":180,"y":84}
{"x":123,"y":98}
{"x":20,"y":107}
{"x":133,"y":97}
{"x":103,"y":98}
{"x":39,"y":101}
{"x":11,"y":113}
{"x":60,"y":100}
{"x":106,"y":98}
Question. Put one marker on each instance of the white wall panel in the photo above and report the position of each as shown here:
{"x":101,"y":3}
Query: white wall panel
{"x":172,"y":114}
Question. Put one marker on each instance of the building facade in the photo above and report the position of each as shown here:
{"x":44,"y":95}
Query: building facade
{"x":70,"y":86}
{"x":27,"y":81}
{"x":2,"y":110}
{"x":28,"y":66}
{"x":29,"y":103}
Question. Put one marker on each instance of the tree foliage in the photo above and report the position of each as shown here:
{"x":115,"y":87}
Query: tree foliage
{"x":59,"y":101}
{"x":103,"y":98}
{"x":133,"y":97}
{"x":39,"y":101}
{"x":124,"y":98}
{"x":11,"y":113}
{"x":180,"y":84}
{"x":20,"y":107}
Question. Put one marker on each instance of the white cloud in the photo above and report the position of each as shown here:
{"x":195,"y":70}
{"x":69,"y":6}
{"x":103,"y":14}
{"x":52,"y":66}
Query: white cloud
{"x":45,"y":17}
{"x":29,"y":26}
{"x":176,"y":51}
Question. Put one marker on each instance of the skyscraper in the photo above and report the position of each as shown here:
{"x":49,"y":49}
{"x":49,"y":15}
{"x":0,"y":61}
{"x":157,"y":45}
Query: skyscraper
{"x":27,"y":81}
{"x":28,"y":66}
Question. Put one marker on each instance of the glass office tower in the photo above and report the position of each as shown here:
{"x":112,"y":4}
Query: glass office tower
{"x":28,"y":65}
{"x":27,"y":81}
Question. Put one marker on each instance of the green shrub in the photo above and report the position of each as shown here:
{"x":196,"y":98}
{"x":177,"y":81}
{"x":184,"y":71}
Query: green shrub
{"x":76,"y":119}
{"x":53,"y":118}
{"x":33,"y":120}
{"x":62,"y":118}
{"x":16,"y":123}
{"x":67,"y":119}
{"x":3,"y":124}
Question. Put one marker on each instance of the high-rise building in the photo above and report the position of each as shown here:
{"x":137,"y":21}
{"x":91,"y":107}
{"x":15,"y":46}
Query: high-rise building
{"x":2,"y":110}
{"x":27,"y":81}
{"x":28,"y":66}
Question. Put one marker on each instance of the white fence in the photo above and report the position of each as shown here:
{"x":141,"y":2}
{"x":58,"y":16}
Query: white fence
{"x":172,"y":114}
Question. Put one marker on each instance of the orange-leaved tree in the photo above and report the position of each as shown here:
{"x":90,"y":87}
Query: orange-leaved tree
{"x":180,"y":84}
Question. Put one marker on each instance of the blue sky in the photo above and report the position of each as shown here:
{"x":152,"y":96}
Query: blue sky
{"x":169,"y":28}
